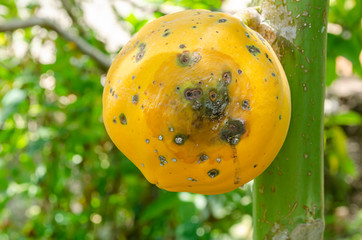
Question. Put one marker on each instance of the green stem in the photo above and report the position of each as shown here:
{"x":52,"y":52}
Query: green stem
{"x":288,"y":196}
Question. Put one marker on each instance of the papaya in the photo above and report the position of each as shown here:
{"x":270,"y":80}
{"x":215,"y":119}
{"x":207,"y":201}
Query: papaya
{"x":198,"y":101}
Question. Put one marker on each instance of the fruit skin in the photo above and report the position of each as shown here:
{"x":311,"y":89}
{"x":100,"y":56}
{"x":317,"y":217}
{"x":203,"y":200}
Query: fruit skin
{"x":198,"y":102}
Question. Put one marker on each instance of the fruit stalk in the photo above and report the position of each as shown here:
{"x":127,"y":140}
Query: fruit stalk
{"x":288,"y":196}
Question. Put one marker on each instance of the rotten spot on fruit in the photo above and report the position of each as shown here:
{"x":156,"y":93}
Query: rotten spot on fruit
{"x":123,"y":119}
{"x":180,"y":139}
{"x":231,"y":132}
{"x":227,"y":77}
{"x":135,"y":99}
{"x":213,"y":173}
{"x":193,"y":93}
{"x":253,"y":50}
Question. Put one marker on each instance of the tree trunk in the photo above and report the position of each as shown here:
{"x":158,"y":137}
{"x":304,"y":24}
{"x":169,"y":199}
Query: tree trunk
{"x":288,"y":196}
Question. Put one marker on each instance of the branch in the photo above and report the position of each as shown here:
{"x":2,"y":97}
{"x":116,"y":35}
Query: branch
{"x":102,"y":59}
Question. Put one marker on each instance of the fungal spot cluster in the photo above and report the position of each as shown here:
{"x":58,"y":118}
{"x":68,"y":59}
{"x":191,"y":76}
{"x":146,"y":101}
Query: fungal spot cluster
{"x":162,"y":160}
{"x":253,"y":50}
{"x":232,"y":131}
{"x":191,"y":94}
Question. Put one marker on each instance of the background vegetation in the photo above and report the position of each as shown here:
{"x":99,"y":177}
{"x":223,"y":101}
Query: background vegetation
{"x":62,"y":178}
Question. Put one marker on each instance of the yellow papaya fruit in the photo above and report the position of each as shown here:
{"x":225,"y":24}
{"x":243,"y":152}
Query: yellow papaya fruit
{"x":198,"y":101}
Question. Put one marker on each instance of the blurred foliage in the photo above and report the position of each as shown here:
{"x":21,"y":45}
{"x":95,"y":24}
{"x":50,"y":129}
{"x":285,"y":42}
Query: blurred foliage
{"x":346,"y":39}
{"x":62,"y":178}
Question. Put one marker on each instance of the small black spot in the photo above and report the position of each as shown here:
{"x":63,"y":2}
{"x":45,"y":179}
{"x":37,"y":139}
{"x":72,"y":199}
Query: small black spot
{"x":193,"y":26}
{"x":166,"y":30}
{"x":133,"y":77}
{"x":114,"y":120}
{"x":255,"y":165}
{"x":273,"y":74}
{"x":280,"y":117}
{"x":277,"y":97}
{"x":240,"y":72}
{"x":222,"y":20}
{"x":253,"y":50}
{"x":213,"y":173}
{"x":139,"y":87}
{"x":111,"y":90}
{"x":123,"y":119}
{"x":226,"y":76}
{"x":135,"y":99}
{"x":217,"y":31}
{"x":147,"y":140}
{"x":247,"y":34}
{"x":270,"y":60}
{"x":166,"y":34}
{"x":182,"y":46}
{"x":180,"y":139}
{"x":177,"y":88}
{"x":265,"y":80}
{"x":193,"y":93}
{"x":232,"y":131}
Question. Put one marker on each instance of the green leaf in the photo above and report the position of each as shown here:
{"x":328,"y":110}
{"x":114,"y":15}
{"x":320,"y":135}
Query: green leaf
{"x":10,"y":103}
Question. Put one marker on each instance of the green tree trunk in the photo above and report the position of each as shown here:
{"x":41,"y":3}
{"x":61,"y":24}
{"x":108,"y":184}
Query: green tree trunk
{"x":288,"y":196}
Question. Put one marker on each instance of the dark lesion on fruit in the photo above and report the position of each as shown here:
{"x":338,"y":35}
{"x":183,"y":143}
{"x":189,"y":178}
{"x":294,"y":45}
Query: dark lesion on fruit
{"x":226,"y":76}
{"x":253,"y":49}
{"x":123,"y":119}
{"x":232,"y":131}
{"x":213,"y":173}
